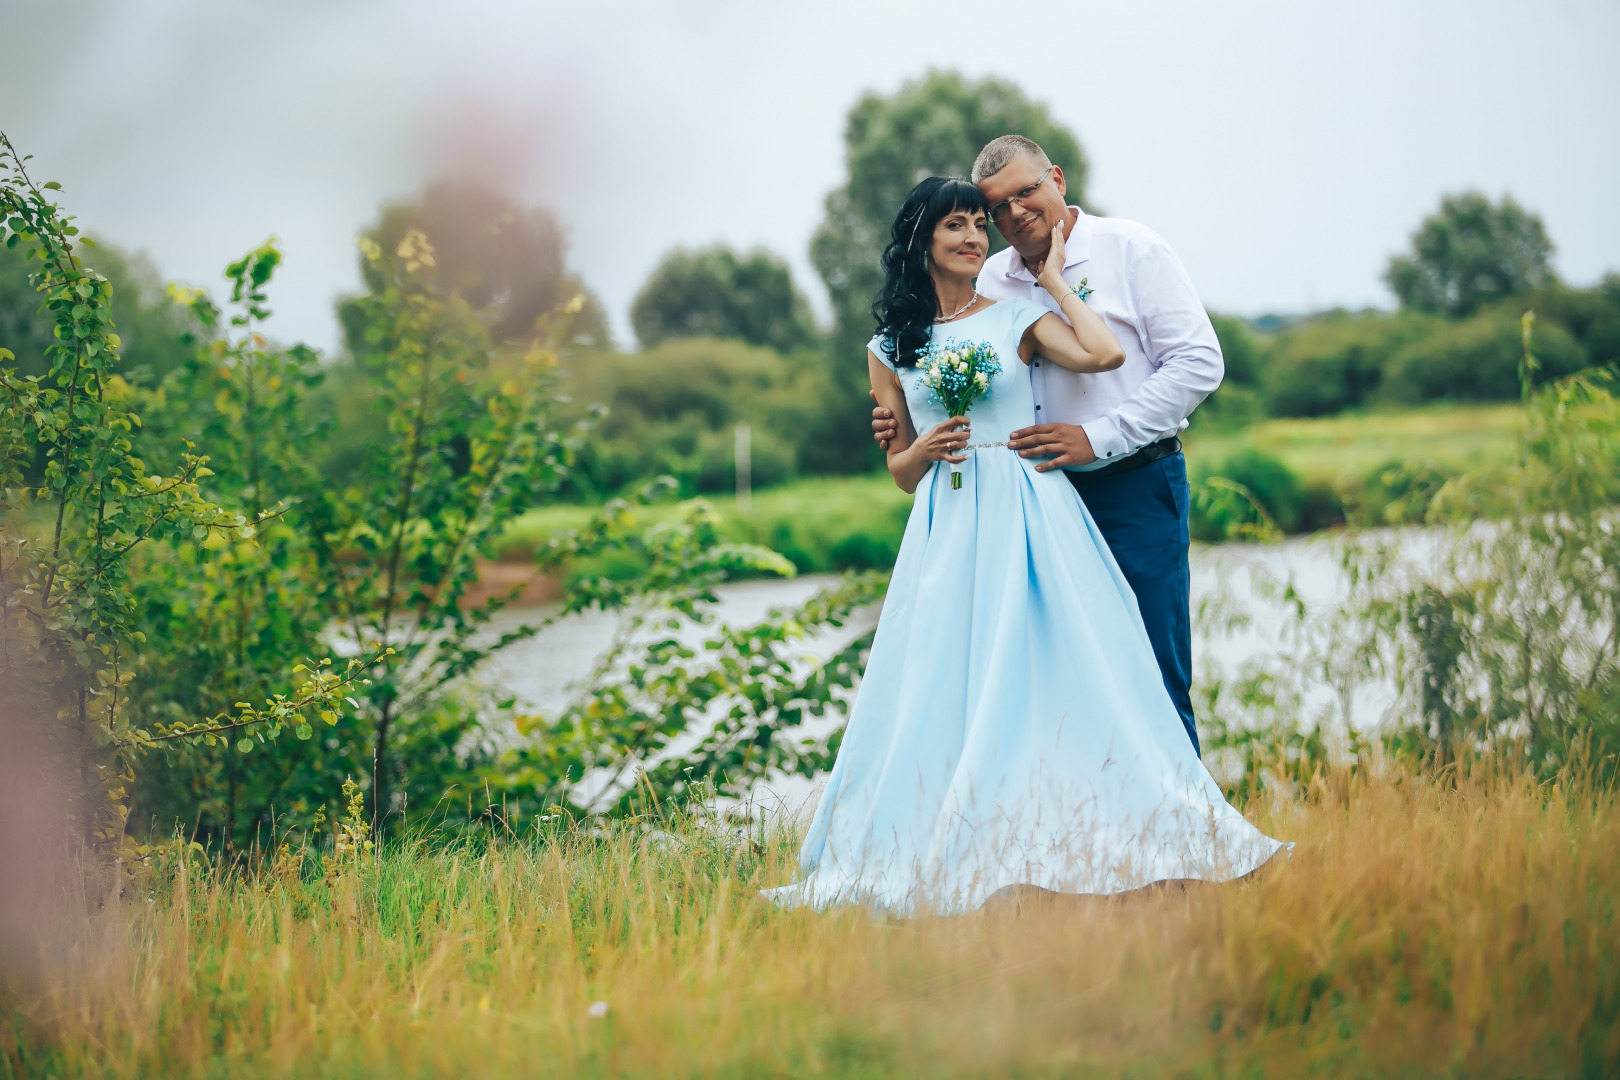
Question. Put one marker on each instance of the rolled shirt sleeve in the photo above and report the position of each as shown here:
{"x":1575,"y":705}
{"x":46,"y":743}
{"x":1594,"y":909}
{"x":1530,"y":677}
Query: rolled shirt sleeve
{"x":1182,"y":348}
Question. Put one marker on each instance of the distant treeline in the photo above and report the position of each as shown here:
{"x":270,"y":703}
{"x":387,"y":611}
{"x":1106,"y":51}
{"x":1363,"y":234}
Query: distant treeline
{"x":1329,"y":362}
{"x":727,"y":337}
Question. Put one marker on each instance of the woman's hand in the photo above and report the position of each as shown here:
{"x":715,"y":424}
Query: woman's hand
{"x":945,"y":442}
{"x":1052,"y":269}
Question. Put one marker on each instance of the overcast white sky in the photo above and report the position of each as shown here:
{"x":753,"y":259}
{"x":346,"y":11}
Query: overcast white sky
{"x":1285,"y":149}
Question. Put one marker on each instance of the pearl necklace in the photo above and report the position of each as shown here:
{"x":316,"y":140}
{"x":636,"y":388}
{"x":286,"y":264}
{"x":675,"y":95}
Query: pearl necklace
{"x":974,"y":299}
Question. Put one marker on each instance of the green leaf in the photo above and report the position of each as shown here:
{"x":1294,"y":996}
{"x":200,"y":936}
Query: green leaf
{"x":244,"y":744}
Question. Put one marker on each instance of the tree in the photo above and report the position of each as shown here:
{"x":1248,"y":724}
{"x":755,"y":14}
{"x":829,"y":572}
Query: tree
{"x":713,"y":293}
{"x":1469,"y":252}
{"x":69,"y":541}
{"x":227,"y":624}
{"x":467,"y":445}
{"x":149,"y":325}
{"x":935,"y":125}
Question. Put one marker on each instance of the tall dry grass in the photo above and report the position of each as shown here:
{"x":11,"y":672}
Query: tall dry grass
{"x":1463,"y":925}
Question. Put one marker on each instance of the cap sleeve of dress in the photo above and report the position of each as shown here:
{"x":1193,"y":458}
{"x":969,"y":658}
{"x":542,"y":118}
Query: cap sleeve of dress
{"x":1024,"y":313}
{"x":876,"y":345}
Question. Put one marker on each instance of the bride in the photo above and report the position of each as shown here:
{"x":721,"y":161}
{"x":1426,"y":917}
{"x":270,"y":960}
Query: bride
{"x":1012,"y":726}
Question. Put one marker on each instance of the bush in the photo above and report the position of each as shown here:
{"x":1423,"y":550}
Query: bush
{"x":1591,"y":316}
{"x":673,"y":409}
{"x":1395,"y":493}
{"x":1271,"y":483}
{"x":1476,"y":359}
{"x":1336,"y":361}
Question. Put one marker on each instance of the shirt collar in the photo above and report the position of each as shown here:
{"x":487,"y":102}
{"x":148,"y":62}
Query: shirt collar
{"x":1075,"y":251}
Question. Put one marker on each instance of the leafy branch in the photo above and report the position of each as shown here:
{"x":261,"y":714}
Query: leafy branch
{"x":322,"y":692}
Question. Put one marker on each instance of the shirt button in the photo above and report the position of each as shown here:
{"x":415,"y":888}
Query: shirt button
{"x":1037,"y":408}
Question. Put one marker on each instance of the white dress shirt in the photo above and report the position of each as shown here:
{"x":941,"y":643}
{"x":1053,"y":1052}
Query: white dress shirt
{"x":1141,"y":291}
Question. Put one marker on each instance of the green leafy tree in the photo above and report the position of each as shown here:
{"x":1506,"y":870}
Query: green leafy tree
{"x":468,"y":445}
{"x":714,"y":293}
{"x":68,"y":627}
{"x":1469,"y":252}
{"x":935,"y":125}
{"x":225,"y":623}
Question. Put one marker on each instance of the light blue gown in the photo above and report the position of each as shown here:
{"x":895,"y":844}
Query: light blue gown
{"x":1012,"y":726}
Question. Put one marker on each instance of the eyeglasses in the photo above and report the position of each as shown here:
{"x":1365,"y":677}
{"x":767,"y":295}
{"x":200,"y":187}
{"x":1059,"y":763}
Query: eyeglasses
{"x":1021,"y":197}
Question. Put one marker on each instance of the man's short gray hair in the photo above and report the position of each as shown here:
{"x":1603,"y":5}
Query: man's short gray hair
{"x":999,"y":153}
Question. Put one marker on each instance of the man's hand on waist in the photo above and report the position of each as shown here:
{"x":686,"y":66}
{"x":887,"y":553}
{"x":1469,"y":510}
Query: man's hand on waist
{"x":1066,"y":444}
{"x":885,"y":428}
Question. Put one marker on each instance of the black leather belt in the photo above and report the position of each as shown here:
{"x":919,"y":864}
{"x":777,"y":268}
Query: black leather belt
{"x":1146,"y":456}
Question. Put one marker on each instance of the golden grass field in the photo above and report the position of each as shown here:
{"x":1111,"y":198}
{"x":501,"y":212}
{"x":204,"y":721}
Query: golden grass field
{"x":1424,"y":927}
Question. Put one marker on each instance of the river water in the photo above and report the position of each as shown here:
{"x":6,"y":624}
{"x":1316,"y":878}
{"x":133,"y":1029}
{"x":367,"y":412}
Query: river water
{"x":1242,"y":624}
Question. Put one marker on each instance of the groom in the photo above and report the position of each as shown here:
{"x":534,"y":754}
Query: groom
{"x":1116,"y":433}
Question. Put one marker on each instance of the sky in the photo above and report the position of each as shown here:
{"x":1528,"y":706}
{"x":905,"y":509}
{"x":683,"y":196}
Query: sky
{"x":1285,"y":148}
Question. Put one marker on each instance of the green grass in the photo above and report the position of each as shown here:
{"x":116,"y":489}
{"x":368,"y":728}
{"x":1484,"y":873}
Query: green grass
{"x":1347,"y":447}
{"x":821,"y":523}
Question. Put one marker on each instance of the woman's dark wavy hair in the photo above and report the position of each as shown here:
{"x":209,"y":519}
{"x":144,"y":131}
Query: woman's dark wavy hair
{"x":906,"y":305}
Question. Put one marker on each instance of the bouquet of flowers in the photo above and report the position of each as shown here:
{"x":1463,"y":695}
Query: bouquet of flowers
{"x":958,"y":373}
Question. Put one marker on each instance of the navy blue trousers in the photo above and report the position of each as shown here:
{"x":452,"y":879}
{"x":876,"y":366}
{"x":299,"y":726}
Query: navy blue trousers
{"x":1143,"y":516}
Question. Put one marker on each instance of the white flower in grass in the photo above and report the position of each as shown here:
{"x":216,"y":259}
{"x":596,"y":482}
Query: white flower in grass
{"x":597,"y":1010}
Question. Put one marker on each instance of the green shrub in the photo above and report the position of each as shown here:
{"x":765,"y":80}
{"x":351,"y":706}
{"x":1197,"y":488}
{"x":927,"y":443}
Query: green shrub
{"x":1265,"y":477}
{"x":1336,"y":361}
{"x":1476,"y":359}
{"x":1231,"y":408}
{"x":1591,"y":316}
{"x":1321,"y":506}
{"x":1395,"y":493}
{"x":150,"y":326}
{"x":673,"y":409}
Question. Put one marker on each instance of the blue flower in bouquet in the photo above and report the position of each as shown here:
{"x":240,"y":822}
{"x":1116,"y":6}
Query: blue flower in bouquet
{"x":958,"y":372}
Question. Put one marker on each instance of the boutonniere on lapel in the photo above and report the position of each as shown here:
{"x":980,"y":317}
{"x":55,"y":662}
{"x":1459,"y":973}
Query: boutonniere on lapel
{"x":1083,"y":289}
